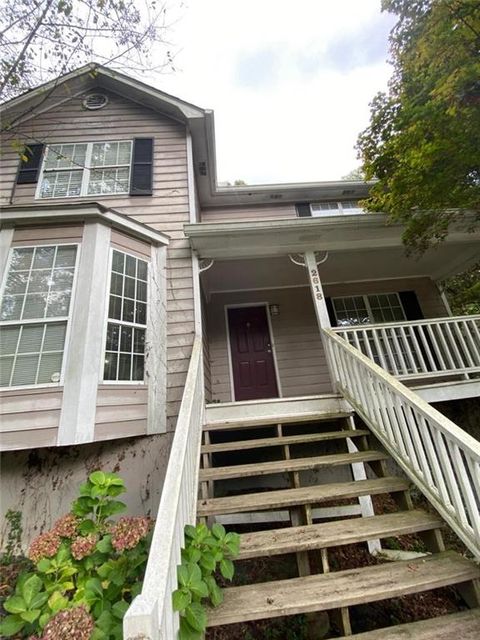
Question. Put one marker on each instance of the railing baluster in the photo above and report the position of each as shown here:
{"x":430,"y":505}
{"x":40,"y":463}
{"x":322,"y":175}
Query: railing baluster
{"x":474,"y":348}
{"x":459,"y":335}
{"x":386,"y":341}
{"x":467,"y":494}
{"x":418,"y":350}
{"x":396,"y":342}
{"x":440,"y":458}
{"x":408,"y":351}
{"x":446,"y":348}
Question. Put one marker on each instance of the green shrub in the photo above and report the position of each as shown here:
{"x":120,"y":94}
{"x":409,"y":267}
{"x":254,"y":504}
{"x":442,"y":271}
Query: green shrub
{"x":87,"y":570}
{"x":206,"y":552}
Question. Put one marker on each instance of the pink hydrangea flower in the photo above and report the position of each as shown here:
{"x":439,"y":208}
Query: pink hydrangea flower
{"x":44,"y":546}
{"x":83,"y":546}
{"x":128,"y":531}
{"x":69,"y":624}
{"x":66,"y":527}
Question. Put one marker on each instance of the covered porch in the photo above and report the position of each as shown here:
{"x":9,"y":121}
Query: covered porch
{"x":267,"y":288}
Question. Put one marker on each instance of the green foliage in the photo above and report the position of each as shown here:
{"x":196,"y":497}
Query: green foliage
{"x":41,"y":39}
{"x":423,"y":140}
{"x":14,"y":536}
{"x":463,"y":291}
{"x":84,"y":561}
{"x":206,"y":552}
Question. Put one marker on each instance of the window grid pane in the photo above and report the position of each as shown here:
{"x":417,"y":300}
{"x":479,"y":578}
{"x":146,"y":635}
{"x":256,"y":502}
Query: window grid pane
{"x":38,"y":287}
{"x":126,"y":326}
{"x":31,"y":353}
{"x":98,"y":168}
{"x":45,"y":289}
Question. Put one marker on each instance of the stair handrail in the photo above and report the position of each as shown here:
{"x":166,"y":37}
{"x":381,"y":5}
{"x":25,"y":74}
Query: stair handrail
{"x":151,"y":615}
{"x":436,"y":454}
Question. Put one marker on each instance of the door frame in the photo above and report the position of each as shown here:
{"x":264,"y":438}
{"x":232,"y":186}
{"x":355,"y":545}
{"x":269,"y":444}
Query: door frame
{"x":272,"y":342}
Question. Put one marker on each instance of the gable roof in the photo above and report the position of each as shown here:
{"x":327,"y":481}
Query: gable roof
{"x":199,"y":123}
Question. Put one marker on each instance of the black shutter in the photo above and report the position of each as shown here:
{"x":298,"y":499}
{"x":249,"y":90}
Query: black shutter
{"x":29,"y":169}
{"x":410,"y":305}
{"x":331,"y":312}
{"x":142,"y":167}
{"x":303,"y":210}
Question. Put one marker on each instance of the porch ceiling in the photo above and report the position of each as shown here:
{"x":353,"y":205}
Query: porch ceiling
{"x":360,"y":247}
{"x":341,"y":266}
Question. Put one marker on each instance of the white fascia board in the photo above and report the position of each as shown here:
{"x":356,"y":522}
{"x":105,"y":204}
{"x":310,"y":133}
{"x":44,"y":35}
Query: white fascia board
{"x":13,"y":216}
{"x":92,"y":74}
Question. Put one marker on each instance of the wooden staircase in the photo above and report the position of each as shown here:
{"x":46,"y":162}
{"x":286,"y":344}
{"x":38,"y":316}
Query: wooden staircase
{"x":251,"y":469}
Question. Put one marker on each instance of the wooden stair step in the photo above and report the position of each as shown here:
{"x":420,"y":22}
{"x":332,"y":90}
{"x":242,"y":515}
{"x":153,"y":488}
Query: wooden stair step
{"x":259,"y":443}
{"x":333,"y":534}
{"x":304,"y":495}
{"x":464,"y":626}
{"x":293,"y":464}
{"x":342,"y":588}
{"x":261,"y":421}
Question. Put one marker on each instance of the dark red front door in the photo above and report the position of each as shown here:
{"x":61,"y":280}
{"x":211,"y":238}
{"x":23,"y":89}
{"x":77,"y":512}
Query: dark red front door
{"x":252,"y":359}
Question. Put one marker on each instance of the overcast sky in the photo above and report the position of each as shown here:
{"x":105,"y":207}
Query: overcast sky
{"x":289,"y":82}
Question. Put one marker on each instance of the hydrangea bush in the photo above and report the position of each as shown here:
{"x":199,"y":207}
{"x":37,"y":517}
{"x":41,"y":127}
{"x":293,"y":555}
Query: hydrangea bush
{"x":88,"y":569}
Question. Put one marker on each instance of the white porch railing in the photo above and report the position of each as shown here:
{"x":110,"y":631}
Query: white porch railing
{"x":420,"y":348}
{"x":151,"y":616}
{"x":441,"y":459}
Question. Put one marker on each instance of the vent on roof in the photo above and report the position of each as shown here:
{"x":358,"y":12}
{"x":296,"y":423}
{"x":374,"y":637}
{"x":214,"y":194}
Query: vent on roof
{"x":95,"y":101}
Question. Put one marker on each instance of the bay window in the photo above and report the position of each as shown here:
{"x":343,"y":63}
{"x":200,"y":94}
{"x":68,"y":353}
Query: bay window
{"x":34,"y":314}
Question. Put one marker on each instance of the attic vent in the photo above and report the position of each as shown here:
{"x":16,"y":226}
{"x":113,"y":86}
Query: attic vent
{"x":95,"y":101}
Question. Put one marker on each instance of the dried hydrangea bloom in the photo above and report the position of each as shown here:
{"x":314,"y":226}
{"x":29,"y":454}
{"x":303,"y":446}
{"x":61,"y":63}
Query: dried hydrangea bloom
{"x":44,"y":546}
{"x":68,"y":624}
{"x":83,"y":546}
{"x":66,"y":527}
{"x":128,"y":531}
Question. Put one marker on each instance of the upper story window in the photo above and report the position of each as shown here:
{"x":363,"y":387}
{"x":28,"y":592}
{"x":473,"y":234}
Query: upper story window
{"x":87,"y":168}
{"x":344,"y":207}
{"x":34,"y":314}
{"x":127,"y":319}
{"x":354,"y":310}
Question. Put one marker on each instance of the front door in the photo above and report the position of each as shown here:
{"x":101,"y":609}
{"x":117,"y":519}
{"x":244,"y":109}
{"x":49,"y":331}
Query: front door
{"x":251,"y":350}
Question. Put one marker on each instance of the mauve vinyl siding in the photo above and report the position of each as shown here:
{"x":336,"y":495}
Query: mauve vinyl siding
{"x":166,"y":210}
{"x":238,"y":214}
{"x":429,"y":298}
{"x":29,"y":418}
{"x":302,"y":367}
{"x":300,"y":358}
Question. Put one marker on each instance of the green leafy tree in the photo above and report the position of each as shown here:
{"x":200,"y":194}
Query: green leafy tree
{"x":42,"y":39}
{"x":463,"y":291}
{"x":423,"y":140}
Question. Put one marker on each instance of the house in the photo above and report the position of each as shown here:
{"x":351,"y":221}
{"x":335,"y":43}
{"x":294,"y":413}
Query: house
{"x":143,"y":304}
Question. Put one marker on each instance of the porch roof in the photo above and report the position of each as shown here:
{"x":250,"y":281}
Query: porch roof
{"x":368,"y":236}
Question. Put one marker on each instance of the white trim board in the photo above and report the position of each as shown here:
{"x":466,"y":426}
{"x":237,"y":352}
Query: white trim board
{"x":272,"y":342}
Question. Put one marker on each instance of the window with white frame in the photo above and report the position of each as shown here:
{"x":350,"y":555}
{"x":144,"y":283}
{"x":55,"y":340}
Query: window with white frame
{"x":365,"y":309}
{"x":86,"y":168}
{"x":344,"y":207}
{"x":127,"y":319}
{"x":34,"y":314}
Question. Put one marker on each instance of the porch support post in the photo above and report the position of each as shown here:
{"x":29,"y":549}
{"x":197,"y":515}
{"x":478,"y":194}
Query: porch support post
{"x":319,"y":304}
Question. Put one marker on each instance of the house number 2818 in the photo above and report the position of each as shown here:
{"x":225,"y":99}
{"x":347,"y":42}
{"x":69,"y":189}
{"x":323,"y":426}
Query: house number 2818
{"x":316,"y":284}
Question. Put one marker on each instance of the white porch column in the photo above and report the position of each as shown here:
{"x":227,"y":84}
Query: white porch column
{"x":319,"y":303}
{"x":323,"y":319}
